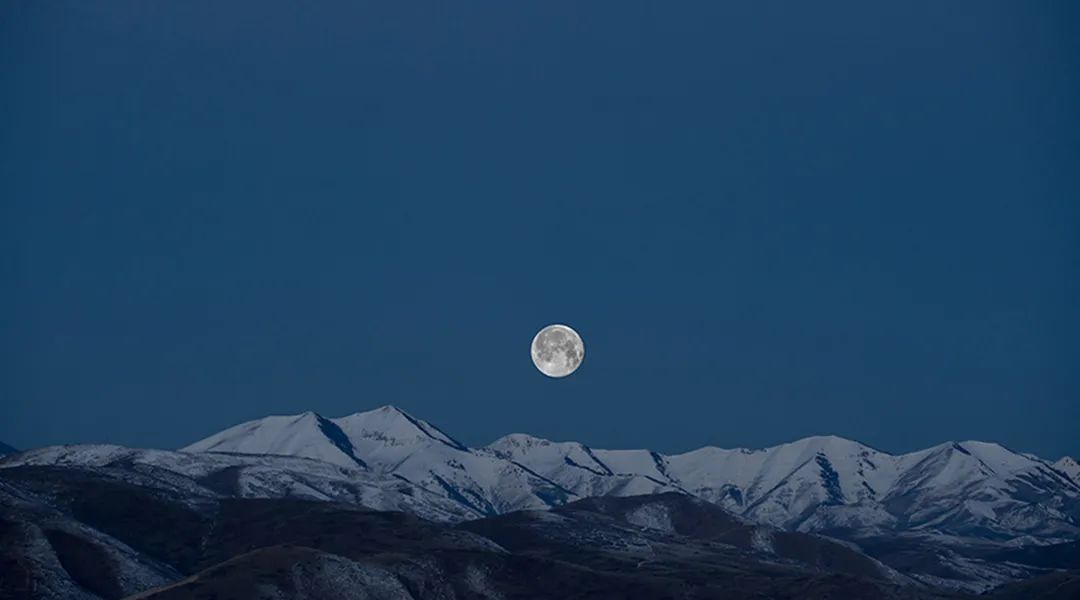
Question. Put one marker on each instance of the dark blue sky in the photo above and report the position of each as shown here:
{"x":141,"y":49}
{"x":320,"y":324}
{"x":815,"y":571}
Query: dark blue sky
{"x":767,"y":220}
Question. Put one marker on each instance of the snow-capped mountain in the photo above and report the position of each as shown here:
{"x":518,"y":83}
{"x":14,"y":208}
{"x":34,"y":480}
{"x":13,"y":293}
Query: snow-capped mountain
{"x":389,"y":442}
{"x":210,"y":475}
{"x":823,"y":484}
{"x":829,"y":483}
{"x":5,"y":449}
{"x":307,"y":435}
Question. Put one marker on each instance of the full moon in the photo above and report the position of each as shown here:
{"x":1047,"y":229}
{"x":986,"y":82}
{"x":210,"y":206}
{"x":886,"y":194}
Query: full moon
{"x":557,"y":350}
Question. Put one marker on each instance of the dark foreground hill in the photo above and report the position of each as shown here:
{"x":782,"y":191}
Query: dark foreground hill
{"x":74,"y":533}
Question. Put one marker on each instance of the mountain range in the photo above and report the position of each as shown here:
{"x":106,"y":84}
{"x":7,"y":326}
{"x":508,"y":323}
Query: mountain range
{"x":817,"y":484}
{"x":959,"y":517}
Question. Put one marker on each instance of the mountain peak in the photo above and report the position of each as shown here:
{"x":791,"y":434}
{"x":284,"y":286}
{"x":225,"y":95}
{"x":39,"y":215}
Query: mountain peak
{"x":307,"y":434}
{"x":825,"y":442}
{"x":393,"y":426}
{"x":998,"y":458}
{"x":827,"y":438}
{"x":519,"y":440}
{"x":5,"y":449}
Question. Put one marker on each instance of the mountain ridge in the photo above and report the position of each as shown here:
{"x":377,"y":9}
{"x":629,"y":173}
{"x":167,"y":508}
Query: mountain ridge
{"x":428,"y":427}
{"x":817,"y":484}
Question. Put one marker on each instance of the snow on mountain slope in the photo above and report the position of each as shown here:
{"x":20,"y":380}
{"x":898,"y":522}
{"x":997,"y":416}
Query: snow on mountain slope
{"x":38,"y":545}
{"x":774,"y":485}
{"x":396,"y":443}
{"x":390,"y":427}
{"x":391,"y":443}
{"x":984,"y":489}
{"x":308,"y":435}
{"x":828,"y":483}
{"x":778,"y":485}
{"x":213,"y":474}
{"x":575,"y":467}
{"x":1070,"y":467}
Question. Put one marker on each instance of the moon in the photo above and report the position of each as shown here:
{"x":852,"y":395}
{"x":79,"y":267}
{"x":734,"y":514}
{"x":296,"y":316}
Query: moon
{"x":557,"y":350}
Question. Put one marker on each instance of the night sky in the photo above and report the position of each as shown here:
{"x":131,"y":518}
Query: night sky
{"x":767,"y":220}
